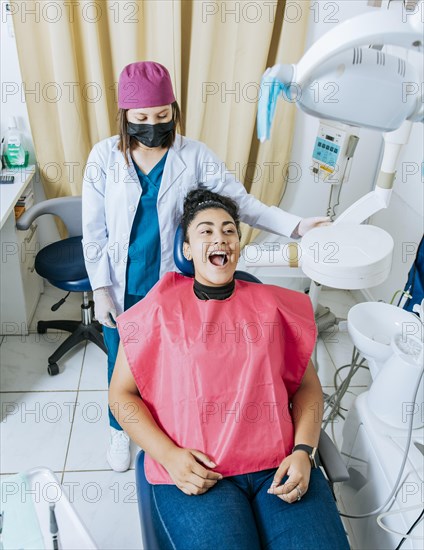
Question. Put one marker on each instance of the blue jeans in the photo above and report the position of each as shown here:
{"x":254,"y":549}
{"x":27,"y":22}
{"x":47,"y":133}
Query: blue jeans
{"x":239,"y":514}
{"x":111,"y":339}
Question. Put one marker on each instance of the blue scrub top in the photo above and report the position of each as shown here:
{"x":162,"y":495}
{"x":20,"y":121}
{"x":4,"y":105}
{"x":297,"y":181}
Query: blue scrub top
{"x":143,"y":265}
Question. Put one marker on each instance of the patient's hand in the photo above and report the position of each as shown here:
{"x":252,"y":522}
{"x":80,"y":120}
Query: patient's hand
{"x":297,"y":467}
{"x":187,"y":472}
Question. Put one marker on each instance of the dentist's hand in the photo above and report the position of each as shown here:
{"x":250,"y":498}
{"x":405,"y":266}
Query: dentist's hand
{"x":307,"y":224}
{"x":104,"y":307}
{"x":185,"y":467}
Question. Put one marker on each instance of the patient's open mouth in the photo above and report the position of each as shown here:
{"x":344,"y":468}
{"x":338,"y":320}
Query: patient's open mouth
{"x":219,"y":257}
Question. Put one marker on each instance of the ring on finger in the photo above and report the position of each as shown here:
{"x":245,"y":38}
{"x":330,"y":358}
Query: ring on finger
{"x":299,"y":492}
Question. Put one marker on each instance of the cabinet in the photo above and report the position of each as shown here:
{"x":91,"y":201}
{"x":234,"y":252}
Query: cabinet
{"x":20,"y":286}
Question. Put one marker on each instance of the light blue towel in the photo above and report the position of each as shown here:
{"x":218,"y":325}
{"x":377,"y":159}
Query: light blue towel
{"x":271,"y":88}
{"x":21,"y":529}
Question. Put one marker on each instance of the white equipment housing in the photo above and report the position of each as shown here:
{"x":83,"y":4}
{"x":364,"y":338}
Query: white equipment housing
{"x":359,"y":87}
{"x":373,"y":453}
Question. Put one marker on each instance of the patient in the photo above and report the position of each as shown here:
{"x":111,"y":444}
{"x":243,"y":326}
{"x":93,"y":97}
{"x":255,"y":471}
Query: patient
{"x":214,"y":381}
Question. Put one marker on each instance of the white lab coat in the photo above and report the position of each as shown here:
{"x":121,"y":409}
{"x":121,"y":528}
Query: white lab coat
{"x":111,"y":193}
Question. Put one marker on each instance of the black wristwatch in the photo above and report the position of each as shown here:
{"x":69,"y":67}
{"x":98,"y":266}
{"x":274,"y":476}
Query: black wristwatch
{"x":312,"y":453}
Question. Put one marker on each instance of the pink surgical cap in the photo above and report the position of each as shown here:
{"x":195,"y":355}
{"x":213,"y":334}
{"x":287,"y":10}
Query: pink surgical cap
{"x":144,"y":84}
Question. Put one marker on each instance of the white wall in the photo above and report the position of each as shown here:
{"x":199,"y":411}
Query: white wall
{"x":404,"y":218}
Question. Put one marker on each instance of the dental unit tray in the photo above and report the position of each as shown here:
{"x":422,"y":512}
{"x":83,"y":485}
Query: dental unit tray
{"x":346,"y":256}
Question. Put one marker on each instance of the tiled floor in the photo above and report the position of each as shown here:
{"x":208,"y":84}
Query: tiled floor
{"x":61,"y":422}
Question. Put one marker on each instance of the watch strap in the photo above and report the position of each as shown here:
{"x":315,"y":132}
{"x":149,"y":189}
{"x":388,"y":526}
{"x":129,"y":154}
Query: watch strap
{"x":312,"y":453}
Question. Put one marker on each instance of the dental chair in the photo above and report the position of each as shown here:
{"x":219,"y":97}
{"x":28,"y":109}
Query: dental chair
{"x":62,"y":264}
{"x":330,"y":459}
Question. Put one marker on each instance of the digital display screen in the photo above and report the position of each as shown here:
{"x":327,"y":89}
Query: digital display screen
{"x":326,"y":151}
{"x":330,"y":138}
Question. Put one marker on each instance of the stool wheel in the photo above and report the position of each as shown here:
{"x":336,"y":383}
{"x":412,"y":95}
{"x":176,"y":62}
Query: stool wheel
{"x":53,"y":369}
{"x":41,"y":329}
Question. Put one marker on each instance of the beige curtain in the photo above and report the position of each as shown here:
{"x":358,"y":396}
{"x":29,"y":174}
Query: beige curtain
{"x":71,"y":54}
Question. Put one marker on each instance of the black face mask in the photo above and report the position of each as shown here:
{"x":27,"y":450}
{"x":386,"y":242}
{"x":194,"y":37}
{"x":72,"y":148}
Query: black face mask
{"x":151,"y":135}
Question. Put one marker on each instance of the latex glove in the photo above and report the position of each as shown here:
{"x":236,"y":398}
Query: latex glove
{"x":104,"y":307}
{"x":306,"y":224}
{"x":271,"y":88}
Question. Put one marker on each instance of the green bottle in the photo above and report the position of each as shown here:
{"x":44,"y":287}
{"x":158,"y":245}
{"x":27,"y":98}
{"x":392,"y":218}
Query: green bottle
{"x":15,"y":154}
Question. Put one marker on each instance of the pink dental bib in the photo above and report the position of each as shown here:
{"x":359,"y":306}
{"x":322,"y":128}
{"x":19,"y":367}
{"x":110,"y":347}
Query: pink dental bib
{"x":218,"y":376}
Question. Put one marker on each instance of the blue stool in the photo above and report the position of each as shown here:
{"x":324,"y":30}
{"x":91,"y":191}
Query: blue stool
{"x":62,"y":264}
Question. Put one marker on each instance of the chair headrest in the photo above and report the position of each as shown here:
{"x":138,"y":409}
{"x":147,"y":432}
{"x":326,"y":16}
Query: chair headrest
{"x":185,"y":266}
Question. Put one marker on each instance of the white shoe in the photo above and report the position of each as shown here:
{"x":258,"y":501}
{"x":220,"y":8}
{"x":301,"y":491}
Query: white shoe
{"x":118,"y":454}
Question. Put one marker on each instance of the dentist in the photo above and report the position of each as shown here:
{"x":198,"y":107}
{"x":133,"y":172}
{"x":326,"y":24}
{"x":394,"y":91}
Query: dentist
{"x":133,"y":192}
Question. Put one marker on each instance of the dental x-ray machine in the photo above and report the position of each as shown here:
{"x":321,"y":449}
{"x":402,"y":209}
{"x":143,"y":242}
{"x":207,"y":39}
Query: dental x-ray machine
{"x":381,"y":89}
